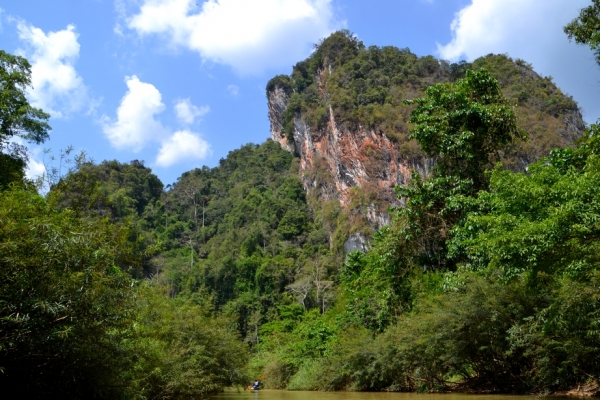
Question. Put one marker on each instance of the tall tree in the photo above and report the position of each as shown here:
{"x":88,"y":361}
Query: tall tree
{"x":461,"y":126}
{"x":65,"y":299}
{"x":17,"y":117}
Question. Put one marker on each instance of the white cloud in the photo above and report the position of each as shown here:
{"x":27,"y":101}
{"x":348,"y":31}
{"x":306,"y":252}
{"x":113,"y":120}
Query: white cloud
{"x":187,"y":112}
{"x":489,"y":24}
{"x":233,"y":90}
{"x":531,"y":30}
{"x":35,"y":169}
{"x":57,"y":88}
{"x":182,"y":145}
{"x":249,"y":35}
{"x":135,"y":125}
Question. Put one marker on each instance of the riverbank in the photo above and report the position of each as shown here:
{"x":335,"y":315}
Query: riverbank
{"x":591,"y":389}
{"x":273,"y":394}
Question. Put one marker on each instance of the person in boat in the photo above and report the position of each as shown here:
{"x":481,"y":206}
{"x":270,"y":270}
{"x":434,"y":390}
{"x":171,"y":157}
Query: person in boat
{"x":256,"y":385}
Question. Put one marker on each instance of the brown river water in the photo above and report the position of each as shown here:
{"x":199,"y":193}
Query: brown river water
{"x":233,"y":394}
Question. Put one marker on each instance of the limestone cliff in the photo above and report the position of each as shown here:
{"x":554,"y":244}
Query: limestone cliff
{"x":342,"y":113}
{"x":361,"y":157}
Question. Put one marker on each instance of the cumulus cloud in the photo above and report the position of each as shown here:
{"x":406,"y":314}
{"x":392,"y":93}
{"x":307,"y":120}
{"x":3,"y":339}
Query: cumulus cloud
{"x":135,"y":125}
{"x":486,"y":24}
{"x":531,"y":30}
{"x":248,"y":35}
{"x":187,"y":112}
{"x":182,"y":145}
{"x":57,"y":88}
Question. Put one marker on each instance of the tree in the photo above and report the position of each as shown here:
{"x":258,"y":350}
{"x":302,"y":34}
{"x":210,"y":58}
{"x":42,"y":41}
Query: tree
{"x":541,"y":230}
{"x":182,"y":351}
{"x":111,"y":188}
{"x":17,"y":117}
{"x":461,"y":126}
{"x":301,"y":288}
{"x":585,"y":29}
{"x":318,"y":275}
{"x":13,"y":160}
{"x":543,"y":222}
{"x":65,"y":299}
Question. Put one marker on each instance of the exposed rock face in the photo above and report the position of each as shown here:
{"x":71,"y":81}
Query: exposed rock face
{"x":359,"y":158}
{"x":377,"y":160}
{"x":278,"y":102}
{"x":356,"y":242}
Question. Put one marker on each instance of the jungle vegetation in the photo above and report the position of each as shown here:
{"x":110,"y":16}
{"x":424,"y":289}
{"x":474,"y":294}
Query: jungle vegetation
{"x":487,"y":279}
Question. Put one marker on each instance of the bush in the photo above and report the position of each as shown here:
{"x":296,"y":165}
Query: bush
{"x":181,"y":351}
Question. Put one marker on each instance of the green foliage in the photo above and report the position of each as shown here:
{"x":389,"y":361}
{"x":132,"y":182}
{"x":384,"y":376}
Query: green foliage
{"x":283,"y":82}
{"x":543,"y":221}
{"x":518,"y":313}
{"x":292,"y":344}
{"x":181,"y":350}
{"x":461,"y":125}
{"x":366,"y":87}
{"x":110,"y":188}
{"x":562,"y":339}
{"x":74,"y":323}
{"x":489,"y":279}
{"x":455,"y":334}
{"x":13,"y":161}
{"x":363,"y":86}
{"x":550,"y":118}
{"x":242,"y":233}
{"x":525,"y":88}
{"x":374,"y":286}
{"x":584,"y":28}
{"x":65,"y":300}
{"x":17,"y":117}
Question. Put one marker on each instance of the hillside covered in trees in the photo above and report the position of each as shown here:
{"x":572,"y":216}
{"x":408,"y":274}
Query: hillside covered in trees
{"x":345,"y":112}
{"x":485,"y":278}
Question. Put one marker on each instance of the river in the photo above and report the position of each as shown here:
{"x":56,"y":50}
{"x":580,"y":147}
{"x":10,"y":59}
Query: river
{"x":293,"y":395}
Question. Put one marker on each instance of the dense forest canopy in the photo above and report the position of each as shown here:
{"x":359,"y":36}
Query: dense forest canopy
{"x":113,"y":285}
{"x":77,"y":317}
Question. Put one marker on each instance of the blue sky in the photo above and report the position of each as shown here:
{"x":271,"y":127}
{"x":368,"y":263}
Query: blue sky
{"x":180,"y":83}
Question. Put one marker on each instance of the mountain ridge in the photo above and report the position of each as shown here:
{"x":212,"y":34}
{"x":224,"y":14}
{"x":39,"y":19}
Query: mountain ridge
{"x":342,"y":112}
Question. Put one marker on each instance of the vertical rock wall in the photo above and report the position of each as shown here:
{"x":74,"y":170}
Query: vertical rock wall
{"x":358,"y":158}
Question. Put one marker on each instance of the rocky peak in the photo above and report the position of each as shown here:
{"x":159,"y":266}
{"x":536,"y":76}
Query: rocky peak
{"x":347,"y":122}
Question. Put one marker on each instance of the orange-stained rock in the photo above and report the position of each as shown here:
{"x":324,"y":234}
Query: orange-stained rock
{"x":354,"y":158}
